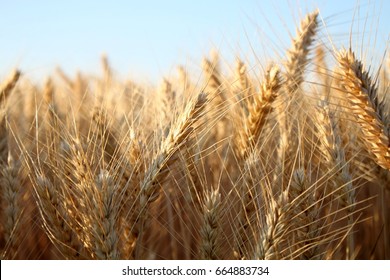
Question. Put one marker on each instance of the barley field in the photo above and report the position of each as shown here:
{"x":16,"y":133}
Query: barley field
{"x":286,"y":160}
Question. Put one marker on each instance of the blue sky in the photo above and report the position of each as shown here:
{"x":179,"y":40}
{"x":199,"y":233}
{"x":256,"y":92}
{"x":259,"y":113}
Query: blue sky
{"x":148,"y":39}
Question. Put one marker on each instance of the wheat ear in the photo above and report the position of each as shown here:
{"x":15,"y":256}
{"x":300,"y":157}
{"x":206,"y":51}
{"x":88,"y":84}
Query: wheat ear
{"x":55,"y":216}
{"x":167,"y":98}
{"x":322,"y":70}
{"x":362,"y":94}
{"x":275,"y":228}
{"x":249,"y":136}
{"x":334,"y":155}
{"x":104,"y":235}
{"x":306,"y":212}
{"x":259,"y":110}
{"x":8,"y":85}
{"x":177,"y":136}
{"x":179,"y":133}
{"x":244,"y":85}
{"x":210,"y":229}
{"x":212,"y":75}
{"x":103,"y":133}
{"x":10,"y":187}
{"x":297,"y":56}
{"x":4,"y":150}
{"x":5,"y":90}
{"x":10,"y":182}
{"x":246,"y":217}
{"x":295,"y":65}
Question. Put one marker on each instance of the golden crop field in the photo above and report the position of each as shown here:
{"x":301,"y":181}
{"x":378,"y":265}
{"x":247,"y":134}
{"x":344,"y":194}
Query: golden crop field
{"x":288,"y":162}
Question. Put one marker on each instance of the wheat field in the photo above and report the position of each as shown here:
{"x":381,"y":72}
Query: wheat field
{"x":291,"y":162}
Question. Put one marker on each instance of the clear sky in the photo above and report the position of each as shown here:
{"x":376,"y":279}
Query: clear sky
{"x":148,"y":39}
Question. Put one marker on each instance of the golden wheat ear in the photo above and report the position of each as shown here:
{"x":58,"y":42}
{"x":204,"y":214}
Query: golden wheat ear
{"x":11,"y":185}
{"x":210,"y":230}
{"x":104,"y":233}
{"x":10,"y":178}
{"x":259,"y":111}
{"x":297,"y":55}
{"x":180,"y":133}
{"x":8,"y":85}
{"x":356,"y":83}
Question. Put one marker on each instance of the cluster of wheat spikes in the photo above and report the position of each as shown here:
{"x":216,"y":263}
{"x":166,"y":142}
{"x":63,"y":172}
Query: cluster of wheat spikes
{"x":240,"y":166}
